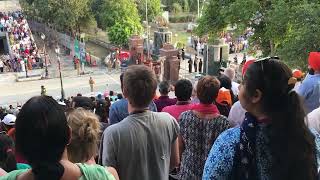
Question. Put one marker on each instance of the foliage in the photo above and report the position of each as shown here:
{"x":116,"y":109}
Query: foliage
{"x":289,"y":29}
{"x":154,"y":9}
{"x":64,"y":14}
{"x":186,"y":7}
{"x":182,"y":18}
{"x":108,"y":12}
{"x":176,"y":8}
{"x":121,"y":31}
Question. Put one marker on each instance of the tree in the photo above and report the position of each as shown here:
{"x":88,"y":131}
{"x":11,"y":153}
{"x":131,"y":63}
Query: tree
{"x":154,"y":9}
{"x":119,"y":17}
{"x":286,"y":28}
{"x":120,"y":33}
{"x":64,"y":14}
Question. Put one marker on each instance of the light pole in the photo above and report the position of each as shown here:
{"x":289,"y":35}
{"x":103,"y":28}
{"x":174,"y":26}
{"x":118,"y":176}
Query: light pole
{"x":57,"y":50}
{"x":43,"y":37}
{"x":147,"y":24}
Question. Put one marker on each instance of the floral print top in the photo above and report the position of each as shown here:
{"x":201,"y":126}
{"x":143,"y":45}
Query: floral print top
{"x":219,"y":164}
{"x":198,"y":136}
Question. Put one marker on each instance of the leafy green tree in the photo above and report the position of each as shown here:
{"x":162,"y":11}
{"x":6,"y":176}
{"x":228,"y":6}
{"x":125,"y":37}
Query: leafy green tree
{"x":120,"y":33}
{"x":66,"y":15}
{"x":119,"y":17}
{"x":177,"y":8}
{"x":186,"y":7}
{"x":109,"y":12}
{"x":286,"y":28}
{"x":154,"y":9}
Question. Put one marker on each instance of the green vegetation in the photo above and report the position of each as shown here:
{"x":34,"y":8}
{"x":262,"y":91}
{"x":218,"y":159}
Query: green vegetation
{"x":289,"y":29}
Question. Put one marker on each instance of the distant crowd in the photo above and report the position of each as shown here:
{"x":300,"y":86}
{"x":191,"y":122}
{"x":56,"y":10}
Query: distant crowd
{"x":25,"y":54}
{"x":267,"y":127}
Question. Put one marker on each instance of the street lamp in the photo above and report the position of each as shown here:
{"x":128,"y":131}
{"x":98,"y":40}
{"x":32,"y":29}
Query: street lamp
{"x":147,"y":24}
{"x":57,"y":50}
{"x":43,"y":37}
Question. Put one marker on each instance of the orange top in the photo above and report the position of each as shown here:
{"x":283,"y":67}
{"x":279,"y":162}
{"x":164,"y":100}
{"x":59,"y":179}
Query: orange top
{"x":224,"y":95}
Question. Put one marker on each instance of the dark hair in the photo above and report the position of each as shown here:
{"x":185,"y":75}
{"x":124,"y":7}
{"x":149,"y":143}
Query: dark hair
{"x":119,"y":96}
{"x":121,"y":81}
{"x":208,"y":89}
{"x":42,"y":134}
{"x":183,"y":90}
{"x":291,"y":142}
{"x":164,"y":87}
{"x":7,"y":158}
{"x":139,"y":85}
{"x":84,"y":102}
{"x":111,"y":93}
{"x":226,"y":82}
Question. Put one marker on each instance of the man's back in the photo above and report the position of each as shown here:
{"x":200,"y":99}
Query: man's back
{"x":139,"y":147}
{"x":310,"y":91}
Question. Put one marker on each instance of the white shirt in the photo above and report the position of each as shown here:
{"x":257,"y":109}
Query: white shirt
{"x":236,"y":115}
{"x":1,"y":64}
{"x":235,"y":88}
{"x":313,"y":120}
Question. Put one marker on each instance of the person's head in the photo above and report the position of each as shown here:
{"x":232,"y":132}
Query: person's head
{"x":84,"y":102}
{"x":8,"y":122}
{"x":225,"y":81}
{"x":267,"y":93}
{"x":111,"y":93}
{"x":183,"y":90}
{"x":85,"y":135}
{"x":314,"y":61}
{"x":164,"y":88}
{"x":7,"y":158}
{"x":298,"y":74}
{"x":119,"y":96}
{"x":230,"y":73}
{"x":139,"y":85}
{"x":207,"y":89}
{"x":42,"y":134}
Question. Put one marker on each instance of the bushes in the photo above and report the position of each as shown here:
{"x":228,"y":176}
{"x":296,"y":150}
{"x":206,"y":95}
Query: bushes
{"x":182,"y":18}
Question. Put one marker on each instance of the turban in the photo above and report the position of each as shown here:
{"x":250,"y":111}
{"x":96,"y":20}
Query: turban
{"x":314,"y":60}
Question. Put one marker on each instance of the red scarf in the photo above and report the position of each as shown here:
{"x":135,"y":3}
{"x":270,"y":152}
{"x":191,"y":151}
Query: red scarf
{"x":205,"y":108}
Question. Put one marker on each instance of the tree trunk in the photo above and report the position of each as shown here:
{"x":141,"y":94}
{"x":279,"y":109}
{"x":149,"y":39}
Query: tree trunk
{"x":272,"y":50}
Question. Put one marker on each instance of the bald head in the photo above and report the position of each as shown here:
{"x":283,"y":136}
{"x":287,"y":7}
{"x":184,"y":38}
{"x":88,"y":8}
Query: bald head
{"x":230,"y":73}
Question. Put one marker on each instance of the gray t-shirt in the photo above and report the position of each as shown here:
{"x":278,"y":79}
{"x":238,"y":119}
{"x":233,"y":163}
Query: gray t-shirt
{"x":139,"y":147}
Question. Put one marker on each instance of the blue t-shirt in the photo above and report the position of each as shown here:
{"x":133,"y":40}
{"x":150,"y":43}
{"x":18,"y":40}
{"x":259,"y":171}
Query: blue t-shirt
{"x":119,"y":110}
{"x":310,"y":91}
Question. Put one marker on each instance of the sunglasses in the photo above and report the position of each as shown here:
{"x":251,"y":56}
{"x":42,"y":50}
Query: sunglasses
{"x":262,"y":60}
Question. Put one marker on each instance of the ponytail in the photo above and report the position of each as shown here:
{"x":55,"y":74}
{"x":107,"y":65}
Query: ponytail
{"x":292,"y":143}
{"x":48,"y":171}
{"x":9,"y":162}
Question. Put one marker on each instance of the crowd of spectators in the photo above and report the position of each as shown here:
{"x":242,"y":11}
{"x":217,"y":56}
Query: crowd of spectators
{"x":210,"y":130}
{"x":24,"y":54}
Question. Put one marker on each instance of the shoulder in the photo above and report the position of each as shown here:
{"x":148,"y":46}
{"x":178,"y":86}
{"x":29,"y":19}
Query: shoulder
{"x":13,"y":174}
{"x":220,"y":160}
{"x":168,"y":108}
{"x":313,"y":119}
{"x":230,"y":136}
{"x":95,"y":172}
{"x":119,"y":104}
{"x":163,"y":115}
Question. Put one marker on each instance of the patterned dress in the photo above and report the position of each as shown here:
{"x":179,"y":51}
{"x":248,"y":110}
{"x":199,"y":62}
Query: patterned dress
{"x":198,"y":136}
{"x":219,"y":164}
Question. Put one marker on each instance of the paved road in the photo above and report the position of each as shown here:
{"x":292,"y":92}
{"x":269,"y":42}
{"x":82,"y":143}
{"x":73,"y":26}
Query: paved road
{"x":20,"y":92}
